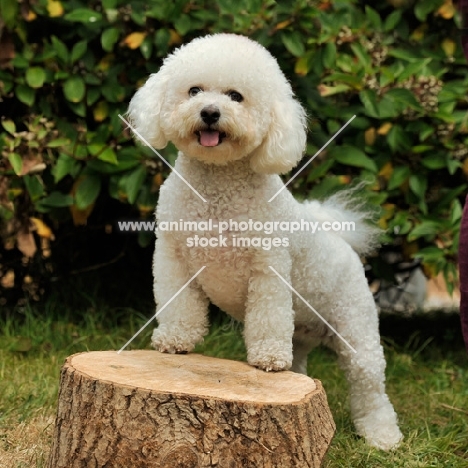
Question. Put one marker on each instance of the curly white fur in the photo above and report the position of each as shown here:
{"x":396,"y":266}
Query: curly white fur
{"x":233,"y":158}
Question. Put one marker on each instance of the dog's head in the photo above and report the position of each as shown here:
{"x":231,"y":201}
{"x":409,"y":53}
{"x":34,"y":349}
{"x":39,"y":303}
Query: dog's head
{"x":221,"y":98}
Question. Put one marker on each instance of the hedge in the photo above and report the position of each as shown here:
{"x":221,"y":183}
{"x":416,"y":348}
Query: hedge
{"x":68,"y":69}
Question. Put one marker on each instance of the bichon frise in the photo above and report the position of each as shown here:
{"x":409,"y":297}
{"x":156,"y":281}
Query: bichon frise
{"x":225,"y":104}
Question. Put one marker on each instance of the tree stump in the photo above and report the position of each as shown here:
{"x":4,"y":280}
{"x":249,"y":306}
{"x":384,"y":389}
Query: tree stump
{"x":147,"y":409}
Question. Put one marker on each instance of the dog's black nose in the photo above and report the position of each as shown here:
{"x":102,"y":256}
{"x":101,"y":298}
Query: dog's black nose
{"x":210,"y":114}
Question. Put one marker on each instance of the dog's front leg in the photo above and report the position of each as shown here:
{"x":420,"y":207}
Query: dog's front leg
{"x":182,"y":313}
{"x":269,"y":320}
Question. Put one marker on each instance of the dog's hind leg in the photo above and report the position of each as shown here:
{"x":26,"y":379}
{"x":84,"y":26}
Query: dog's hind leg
{"x":305,"y":339}
{"x":371,"y":410}
{"x":301,"y":350}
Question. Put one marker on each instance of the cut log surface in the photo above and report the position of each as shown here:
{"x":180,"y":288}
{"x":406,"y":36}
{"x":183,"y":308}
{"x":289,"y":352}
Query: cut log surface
{"x":148,"y":409}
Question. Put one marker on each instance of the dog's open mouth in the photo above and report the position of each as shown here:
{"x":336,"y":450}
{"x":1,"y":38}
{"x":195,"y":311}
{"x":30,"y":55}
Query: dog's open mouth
{"x":210,"y":137}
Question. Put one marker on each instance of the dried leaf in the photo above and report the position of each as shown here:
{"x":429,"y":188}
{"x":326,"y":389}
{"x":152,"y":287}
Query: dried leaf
{"x":283,"y":24}
{"x":419,"y":32}
{"x":465,"y":167}
{"x":32,"y":164}
{"x":157,"y":181}
{"x":26,"y":243}
{"x":370,"y":136}
{"x":449,"y":47}
{"x":42,"y":229}
{"x":100,"y":111}
{"x":55,"y":8}
{"x":174,"y":37}
{"x":45,"y":247}
{"x":8,"y":279}
{"x":386,"y":171}
{"x":384,"y":128}
{"x":447,"y":10}
{"x":7,"y":49}
{"x":80,"y":217}
{"x":134,"y":40}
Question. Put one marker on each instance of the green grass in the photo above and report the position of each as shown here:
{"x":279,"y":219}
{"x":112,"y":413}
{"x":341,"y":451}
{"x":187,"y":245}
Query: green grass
{"x":427,"y":379}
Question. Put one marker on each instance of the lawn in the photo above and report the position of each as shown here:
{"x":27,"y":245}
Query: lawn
{"x":427,"y":375}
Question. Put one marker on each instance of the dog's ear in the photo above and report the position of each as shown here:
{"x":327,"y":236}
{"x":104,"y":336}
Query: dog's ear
{"x":144,"y":111}
{"x":285,"y":141}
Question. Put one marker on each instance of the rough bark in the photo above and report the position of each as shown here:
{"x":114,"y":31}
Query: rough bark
{"x":147,"y":409}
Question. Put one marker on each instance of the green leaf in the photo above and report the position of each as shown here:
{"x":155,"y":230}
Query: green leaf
{"x":133,"y":183}
{"x":16,"y":162}
{"x":399,"y":176}
{"x":183,"y":24}
{"x":433,"y":161}
{"x":329,"y":55}
{"x":344,"y":78}
{"x":25,"y":94}
{"x":429,"y":254}
{"x":74,"y":88}
{"x":103,"y":167}
{"x":9,"y":12}
{"x":320,"y":170}
{"x":453,"y":165}
{"x":34,"y":186}
{"x":57,"y":200}
{"x":423,"y":8}
{"x":83,"y":15}
{"x":108,"y":155}
{"x":93,"y":95}
{"x":362,"y":55}
{"x":418,"y":185}
{"x":79,"y":49}
{"x":108,"y":39}
{"x":374,"y":18}
{"x":293,"y":42}
{"x":387,"y":108}
{"x":9,"y":126}
{"x":405,"y":96}
{"x":87,"y":191}
{"x":65,"y":165}
{"x":147,"y":48}
{"x":398,"y":139}
{"x":58,"y":142}
{"x":369,"y":99}
{"x":457,"y":211}
{"x":35,"y":77}
{"x":352,"y":156}
{"x":113,"y":92}
{"x":392,"y":20}
{"x":79,"y":108}
{"x":60,"y":49}
{"x":404,"y":54}
{"x":425,"y":228}
{"x":414,"y":68}
{"x":145,"y":238}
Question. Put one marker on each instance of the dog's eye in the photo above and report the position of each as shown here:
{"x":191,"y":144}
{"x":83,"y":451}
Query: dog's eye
{"x":194,"y":91}
{"x":235,"y":96}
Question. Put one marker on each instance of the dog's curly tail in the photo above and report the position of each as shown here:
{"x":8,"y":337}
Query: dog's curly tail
{"x":357,"y":220}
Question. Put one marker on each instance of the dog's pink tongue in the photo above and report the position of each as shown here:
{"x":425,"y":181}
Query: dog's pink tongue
{"x":209,"y":137}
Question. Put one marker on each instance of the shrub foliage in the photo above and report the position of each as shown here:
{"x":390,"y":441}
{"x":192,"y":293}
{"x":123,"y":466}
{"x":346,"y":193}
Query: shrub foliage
{"x":69,"y":68}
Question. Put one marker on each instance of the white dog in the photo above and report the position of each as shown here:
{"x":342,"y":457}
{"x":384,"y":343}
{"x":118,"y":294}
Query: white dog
{"x":226,"y":105}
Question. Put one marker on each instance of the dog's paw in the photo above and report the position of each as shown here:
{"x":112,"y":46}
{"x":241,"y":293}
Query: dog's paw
{"x":165,"y":342}
{"x":380,"y":429}
{"x":270,"y":355}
